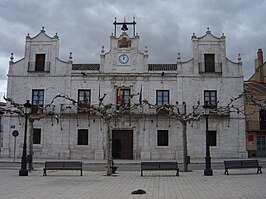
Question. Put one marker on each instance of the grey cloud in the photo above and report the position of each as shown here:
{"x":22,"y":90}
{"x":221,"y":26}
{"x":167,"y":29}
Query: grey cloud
{"x":165,"y":26}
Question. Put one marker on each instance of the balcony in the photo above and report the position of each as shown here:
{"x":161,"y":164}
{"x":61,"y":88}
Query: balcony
{"x":256,"y":125}
{"x":217,"y":68}
{"x":36,"y":67}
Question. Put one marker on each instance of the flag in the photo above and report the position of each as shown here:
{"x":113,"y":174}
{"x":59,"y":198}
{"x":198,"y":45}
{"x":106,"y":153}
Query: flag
{"x":99,"y":97}
{"x":140,"y":94}
{"x":118,"y":95}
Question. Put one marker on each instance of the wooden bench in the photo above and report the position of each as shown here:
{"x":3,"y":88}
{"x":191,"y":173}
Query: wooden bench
{"x":62,"y":165}
{"x":241,"y":164}
{"x":159,"y":166}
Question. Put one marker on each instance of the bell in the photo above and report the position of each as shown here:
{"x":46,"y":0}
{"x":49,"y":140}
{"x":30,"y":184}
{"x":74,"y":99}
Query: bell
{"x":124,"y":27}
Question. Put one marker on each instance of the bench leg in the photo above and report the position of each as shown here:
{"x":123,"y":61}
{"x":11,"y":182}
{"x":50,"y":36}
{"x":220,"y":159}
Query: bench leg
{"x":141,"y":173}
{"x":44,"y":172}
{"x":226,"y":172}
{"x":81,"y":172}
{"x":259,"y":170}
{"x":177,"y":172}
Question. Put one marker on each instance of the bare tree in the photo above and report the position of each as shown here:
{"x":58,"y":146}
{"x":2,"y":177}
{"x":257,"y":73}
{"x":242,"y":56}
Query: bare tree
{"x":111,"y":111}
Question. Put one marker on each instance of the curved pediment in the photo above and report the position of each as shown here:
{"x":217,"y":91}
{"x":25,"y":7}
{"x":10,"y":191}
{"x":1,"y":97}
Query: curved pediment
{"x":208,"y":36}
{"x":42,"y":36}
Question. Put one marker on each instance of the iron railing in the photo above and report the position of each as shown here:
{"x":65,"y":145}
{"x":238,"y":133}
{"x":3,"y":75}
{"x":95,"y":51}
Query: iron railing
{"x":162,"y":67}
{"x":217,"y":68}
{"x":45,"y":67}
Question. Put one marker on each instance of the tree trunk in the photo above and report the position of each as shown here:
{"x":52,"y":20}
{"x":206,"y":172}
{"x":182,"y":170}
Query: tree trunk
{"x":109,"y":149}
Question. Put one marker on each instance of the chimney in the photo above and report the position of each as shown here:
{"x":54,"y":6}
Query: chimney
{"x":260,"y":57}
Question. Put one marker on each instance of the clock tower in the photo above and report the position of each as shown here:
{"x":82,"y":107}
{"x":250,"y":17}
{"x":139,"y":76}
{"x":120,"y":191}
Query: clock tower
{"x":124,"y":55}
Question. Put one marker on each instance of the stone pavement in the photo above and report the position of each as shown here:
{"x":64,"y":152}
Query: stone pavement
{"x":157,"y":184}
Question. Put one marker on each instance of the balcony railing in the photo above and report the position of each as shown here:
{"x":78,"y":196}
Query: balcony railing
{"x":217,"y":68}
{"x":256,"y":125}
{"x":162,"y":67}
{"x":45,"y":67}
{"x":95,"y":67}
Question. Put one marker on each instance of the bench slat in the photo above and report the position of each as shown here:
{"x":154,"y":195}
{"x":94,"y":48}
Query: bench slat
{"x":159,"y":166}
{"x":62,"y":165}
{"x":168,"y":165}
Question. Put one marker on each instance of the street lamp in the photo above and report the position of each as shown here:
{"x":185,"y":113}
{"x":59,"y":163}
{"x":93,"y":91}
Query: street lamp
{"x":23,"y":170}
{"x":207,"y":170}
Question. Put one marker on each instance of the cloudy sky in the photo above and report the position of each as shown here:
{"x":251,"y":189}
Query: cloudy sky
{"x":165,"y":26}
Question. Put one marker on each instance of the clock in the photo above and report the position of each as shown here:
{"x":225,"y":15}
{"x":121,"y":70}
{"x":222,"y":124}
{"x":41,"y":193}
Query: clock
{"x":123,"y":58}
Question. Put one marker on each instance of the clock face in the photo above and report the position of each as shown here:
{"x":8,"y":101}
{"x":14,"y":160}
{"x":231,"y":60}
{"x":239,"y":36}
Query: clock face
{"x":123,"y":58}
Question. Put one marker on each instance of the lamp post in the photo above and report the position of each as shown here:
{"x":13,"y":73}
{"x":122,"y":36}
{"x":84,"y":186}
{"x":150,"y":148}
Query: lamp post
{"x":23,"y":170}
{"x":207,"y":170}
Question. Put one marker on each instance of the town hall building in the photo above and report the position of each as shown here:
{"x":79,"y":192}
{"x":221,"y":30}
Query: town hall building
{"x":136,"y":107}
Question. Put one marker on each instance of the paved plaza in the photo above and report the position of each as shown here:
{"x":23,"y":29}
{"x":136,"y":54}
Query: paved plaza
{"x":157,"y":184}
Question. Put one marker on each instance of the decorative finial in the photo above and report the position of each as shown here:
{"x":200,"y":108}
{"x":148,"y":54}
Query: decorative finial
{"x":70,"y":57}
{"x":193,"y":35}
{"x":28,"y":36}
{"x":42,"y":30}
{"x":146,"y":50}
{"x":56,"y":36}
{"x":208,"y":30}
{"x":102,"y":51}
{"x":12,"y":57}
{"x":239,"y":57}
{"x":178,"y":57}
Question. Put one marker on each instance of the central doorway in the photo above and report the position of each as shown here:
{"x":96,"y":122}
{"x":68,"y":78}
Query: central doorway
{"x":122,"y":144}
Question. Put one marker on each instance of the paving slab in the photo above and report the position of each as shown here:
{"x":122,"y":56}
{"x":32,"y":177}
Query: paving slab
{"x":157,"y":184}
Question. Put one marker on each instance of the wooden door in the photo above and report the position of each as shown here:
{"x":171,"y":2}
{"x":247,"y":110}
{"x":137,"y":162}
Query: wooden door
{"x":122,"y":144}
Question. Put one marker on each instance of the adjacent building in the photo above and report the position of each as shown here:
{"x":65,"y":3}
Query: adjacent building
{"x":60,"y":89}
{"x":255,"y":109}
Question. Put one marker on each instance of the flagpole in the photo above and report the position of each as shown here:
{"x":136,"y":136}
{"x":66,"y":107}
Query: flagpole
{"x":140,"y":94}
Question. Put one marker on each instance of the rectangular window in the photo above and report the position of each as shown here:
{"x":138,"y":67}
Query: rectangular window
{"x":40,"y":62}
{"x":123,"y":96}
{"x":212,"y":138}
{"x":262,"y":119}
{"x":162,"y":97}
{"x":84,"y":96}
{"x":84,"y":99}
{"x":261,"y":143}
{"x":210,"y":97}
{"x":162,"y":138}
{"x":37,"y":100}
{"x":82,"y":136}
{"x":209,"y":61}
{"x":37,"y":136}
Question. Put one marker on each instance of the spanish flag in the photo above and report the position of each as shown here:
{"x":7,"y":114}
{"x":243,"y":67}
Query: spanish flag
{"x":140,"y":94}
{"x":118,"y":95}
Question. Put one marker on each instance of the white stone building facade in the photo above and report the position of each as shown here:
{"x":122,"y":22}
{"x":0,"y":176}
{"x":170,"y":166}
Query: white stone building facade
{"x":68,"y":133}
